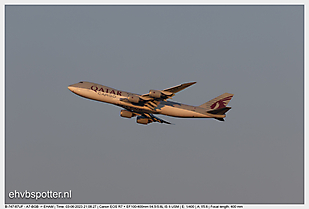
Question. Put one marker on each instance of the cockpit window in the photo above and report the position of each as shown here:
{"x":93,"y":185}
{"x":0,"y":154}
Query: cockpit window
{"x":81,"y":82}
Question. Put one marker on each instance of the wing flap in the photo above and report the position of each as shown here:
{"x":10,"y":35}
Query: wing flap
{"x":153,"y":118}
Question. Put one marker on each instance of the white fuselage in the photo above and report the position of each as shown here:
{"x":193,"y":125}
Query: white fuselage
{"x":113,"y":96}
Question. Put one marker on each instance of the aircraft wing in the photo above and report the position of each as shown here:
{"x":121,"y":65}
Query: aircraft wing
{"x":178,"y":88}
{"x":167,"y":93}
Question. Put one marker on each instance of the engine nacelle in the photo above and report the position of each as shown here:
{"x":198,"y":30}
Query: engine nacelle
{"x":142,"y":120}
{"x":134,"y":99}
{"x":126,"y":114}
{"x":155,"y":93}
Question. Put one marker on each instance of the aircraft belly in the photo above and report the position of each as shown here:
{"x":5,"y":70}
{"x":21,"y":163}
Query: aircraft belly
{"x":180,"y":112}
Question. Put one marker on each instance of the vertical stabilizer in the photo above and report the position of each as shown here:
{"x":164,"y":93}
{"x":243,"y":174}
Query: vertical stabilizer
{"x":218,"y":102}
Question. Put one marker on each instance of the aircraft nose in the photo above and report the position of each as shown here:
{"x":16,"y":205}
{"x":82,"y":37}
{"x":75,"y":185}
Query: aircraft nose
{"x":71,"y":88}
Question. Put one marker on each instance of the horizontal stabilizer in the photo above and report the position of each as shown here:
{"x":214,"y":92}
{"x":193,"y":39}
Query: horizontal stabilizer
{"x":220,"y":111}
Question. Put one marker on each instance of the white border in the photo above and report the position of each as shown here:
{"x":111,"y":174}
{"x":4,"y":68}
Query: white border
{"x":180,"y":2}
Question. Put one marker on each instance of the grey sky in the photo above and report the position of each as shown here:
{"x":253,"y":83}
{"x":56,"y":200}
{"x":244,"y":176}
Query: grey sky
{"x":58,"y":141}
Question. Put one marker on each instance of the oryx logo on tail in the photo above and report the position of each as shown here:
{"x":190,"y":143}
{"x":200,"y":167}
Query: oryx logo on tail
{"x":218,"y":102}
{"x":221,"y":103}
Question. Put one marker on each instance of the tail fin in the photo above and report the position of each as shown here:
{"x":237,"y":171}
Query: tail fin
{"x":218,"y":102}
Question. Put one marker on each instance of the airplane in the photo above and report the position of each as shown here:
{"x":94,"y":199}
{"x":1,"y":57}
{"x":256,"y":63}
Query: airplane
{"x":155,"y":102}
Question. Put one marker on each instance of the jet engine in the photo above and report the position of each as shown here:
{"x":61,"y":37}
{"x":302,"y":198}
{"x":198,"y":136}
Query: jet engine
{"x":142,"y":120}
{"x":134,"y":99}
{"x":155,"y":94}
{"x":126,"y":114}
